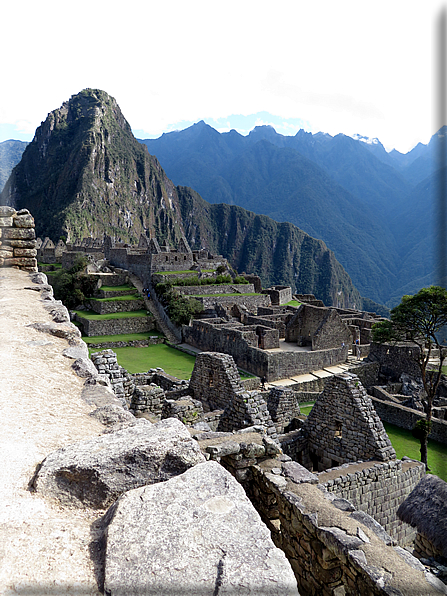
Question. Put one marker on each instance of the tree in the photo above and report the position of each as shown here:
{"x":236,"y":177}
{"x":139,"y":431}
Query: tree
{"x":73,"y":286}
{"x":418,"y":320}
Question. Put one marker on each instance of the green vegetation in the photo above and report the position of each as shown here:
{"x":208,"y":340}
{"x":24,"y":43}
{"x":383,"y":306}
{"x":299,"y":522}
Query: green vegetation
{"x":92,"y":316}
{"x":180,"y":309}
{"x":226,"y":295}
{"x":405,"y":444}
{"x":98,"y":339}
{"x":117,"y":298}
{"x":174,"y":362}
{"x":306,"y":408}
{"x":73,"y":286}
{"x":293,"y":303}
{"x":122,"y":288}
{"x":418,"y":320}
{"x":173,"y":272}
{"x":209,"y":281}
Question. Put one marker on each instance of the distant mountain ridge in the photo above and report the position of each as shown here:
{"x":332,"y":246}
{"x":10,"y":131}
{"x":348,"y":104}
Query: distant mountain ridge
{"x":84,"y":174}
{"x":10,"y":154}
{"x":350,"y":193}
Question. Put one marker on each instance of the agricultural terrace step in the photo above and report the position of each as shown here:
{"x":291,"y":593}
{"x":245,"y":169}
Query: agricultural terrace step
{"x":112,"y":279}
{"x":106,"y":306}
{"x":112,"y":292}
{"x":115,"y":324}
{"x":221,"y":289}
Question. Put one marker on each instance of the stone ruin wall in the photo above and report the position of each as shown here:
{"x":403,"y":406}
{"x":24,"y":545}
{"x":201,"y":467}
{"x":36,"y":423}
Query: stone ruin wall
{"x":344,"y":427}
{"x":215,"y":289}
{"x":272,"y":366}
{"x":335,"y":548}
{"x":279,"y":294}
{"x":404,"y":417}
{"x":17,"y":239}
{"x":328,"y":559}
{"x":378,"y":490}
{"x":395,"y":360}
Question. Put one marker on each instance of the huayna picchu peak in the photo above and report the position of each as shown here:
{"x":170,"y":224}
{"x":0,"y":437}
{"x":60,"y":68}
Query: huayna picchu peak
{"x":85,"y":175}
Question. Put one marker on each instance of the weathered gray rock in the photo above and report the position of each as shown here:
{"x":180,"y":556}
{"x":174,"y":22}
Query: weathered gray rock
{"x":63,"y":330}
{"x":39,"y":278}
{"x":373,"y":525}
{"x":194,"y":534}
{"x":112,"y":414}
{"x":6,"y":211}
{"x":59,"y":313}
{"x":95,"y":472}
{"x":83,"y":367}
{"x":78,"y":351}
{"x":297,"y":473}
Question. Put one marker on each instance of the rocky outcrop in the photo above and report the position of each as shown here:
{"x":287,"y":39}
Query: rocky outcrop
{"x":95,"y":472}
{"x":213,"y":541}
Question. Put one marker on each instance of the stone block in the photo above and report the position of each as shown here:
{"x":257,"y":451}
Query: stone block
{"x":25,"y":220}
{"x":25,"y":252}
{"x":19,"y":233}
{"x":5,"y":222}
{"x":95,"y":472}
{"x":22,"y":243}
{"x":6,"y":211}
{"x":22,"y":262}
{"x":213,"y":540}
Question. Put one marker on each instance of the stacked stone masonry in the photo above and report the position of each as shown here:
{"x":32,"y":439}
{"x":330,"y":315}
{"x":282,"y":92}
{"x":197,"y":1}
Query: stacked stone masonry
{"x":348,"y":558}
{"x":17,"y":239}
{"x":344,"y":427}
{"x":334,"y":548}
{"x":112,"y":306}
{"x":283,"y":407}
{"x":378,"y":490}
{"x":404,"y":417}
{"x":91,"y":327}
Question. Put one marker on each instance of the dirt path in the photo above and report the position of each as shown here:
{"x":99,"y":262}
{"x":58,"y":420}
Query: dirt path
{"x":43,"y":549}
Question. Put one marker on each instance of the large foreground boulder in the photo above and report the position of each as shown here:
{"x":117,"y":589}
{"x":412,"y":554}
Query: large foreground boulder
{"x":196,"y":534}
{"x":94,"y":473}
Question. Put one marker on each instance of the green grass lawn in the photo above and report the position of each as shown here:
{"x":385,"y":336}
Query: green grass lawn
{"x":98,"y":339}
{"x":224,"y":295}
{"x":92,"y":316}
{"x":306,"y":408}
{"x":405,"y":444}
{"x":118,"y":288}
{"x":172,"y":361}
{"x":117,"y":298}
{"x":293,"y":303}
{"x":136,"y":360}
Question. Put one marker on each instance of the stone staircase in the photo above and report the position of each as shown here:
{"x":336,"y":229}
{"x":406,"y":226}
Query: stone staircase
{"x":152,"y":307}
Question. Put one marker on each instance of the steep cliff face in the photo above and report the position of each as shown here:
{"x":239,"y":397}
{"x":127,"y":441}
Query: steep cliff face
{"x":85,"y":175}
{"x":279,"y":253}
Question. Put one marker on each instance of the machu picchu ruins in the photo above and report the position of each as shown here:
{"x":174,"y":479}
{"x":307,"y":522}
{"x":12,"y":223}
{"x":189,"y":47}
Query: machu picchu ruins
{"x":324,"y":496}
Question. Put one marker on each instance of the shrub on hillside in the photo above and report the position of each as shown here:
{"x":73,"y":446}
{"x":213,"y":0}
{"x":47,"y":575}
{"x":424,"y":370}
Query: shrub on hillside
{"x":73,"y":286}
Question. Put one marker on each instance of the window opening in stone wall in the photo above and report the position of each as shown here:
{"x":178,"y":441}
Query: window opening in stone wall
{"x":211,"y":380}
{"x":338,"y":429}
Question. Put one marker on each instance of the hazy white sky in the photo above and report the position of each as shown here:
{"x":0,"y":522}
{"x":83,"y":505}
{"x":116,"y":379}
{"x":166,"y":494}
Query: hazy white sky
{"x":332,"y":65}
